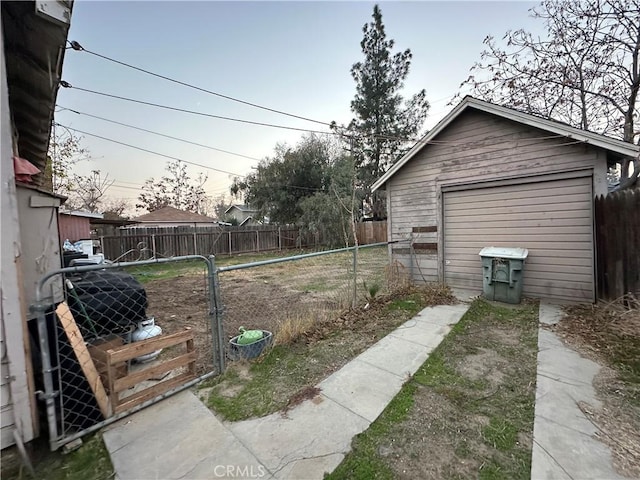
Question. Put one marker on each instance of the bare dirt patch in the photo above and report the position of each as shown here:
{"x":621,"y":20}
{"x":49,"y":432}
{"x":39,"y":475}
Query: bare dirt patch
{"x":487,"y":364}
{"x":181,"y":302}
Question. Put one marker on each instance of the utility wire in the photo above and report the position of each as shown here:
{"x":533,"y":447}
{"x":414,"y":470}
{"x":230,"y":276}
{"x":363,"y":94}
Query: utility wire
{"x":192,"y":112}
{"x":76,"y":46}
{"x":157,"y":133}
{"x":150,"y":151}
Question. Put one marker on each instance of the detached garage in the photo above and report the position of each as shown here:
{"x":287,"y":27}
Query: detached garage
{"x":491,"y":176}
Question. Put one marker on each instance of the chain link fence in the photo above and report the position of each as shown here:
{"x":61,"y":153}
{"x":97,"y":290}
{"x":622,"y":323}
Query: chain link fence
{"x":125,"y":335}
{"x":129,"y":334}
{"x":289,"y":296}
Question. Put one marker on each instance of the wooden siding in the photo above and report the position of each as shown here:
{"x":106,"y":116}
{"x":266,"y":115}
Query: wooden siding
{"x":477,"y":147}
{"x":552,"y":219}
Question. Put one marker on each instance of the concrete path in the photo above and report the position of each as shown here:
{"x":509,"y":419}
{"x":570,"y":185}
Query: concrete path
{"x":564,"y":446}
{"x":179,"y":438}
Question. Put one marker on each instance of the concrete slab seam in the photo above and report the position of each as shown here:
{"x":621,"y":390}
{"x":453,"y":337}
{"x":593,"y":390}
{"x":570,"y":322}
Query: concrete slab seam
{"x":347,"y":408}
{"x":562,"y":425}
{"x":404,"y":376}
{"x":559,"y":379}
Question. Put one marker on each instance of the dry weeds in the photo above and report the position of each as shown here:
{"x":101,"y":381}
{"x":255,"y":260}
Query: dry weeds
{"x":609,"y":332}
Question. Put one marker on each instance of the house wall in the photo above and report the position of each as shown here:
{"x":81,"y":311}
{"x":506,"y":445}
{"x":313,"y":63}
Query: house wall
{"x":73,"y":227}
{"x":17,"y":405}
{"x":38,"y":216}
{"x":475,"y":147}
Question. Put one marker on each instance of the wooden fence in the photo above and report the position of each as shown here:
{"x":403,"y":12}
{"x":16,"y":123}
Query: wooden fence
{"x":178,"y":241}
{"x":617,"y":219}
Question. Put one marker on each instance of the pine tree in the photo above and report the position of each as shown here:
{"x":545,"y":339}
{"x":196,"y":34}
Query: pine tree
{"x":384,"y":121}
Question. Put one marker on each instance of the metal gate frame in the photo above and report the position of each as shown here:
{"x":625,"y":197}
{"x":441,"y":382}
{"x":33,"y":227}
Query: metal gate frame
{"x":58,"y":439}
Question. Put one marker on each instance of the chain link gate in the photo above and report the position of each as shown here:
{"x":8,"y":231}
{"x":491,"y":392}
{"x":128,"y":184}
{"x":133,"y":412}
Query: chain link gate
{"x":93,"y":372}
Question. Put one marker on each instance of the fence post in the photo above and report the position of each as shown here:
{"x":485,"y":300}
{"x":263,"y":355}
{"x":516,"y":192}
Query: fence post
{"x":279,"y":238}
{"x":354,"y":301}
{"x":195,"y":243}
{"x":258,"y":240}
{"x":153,"y":245}
{"x":49,"y":393}
{"x":215,"y":315}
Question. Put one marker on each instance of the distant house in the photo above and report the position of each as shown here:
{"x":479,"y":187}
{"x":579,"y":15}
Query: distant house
{"x":173,"y":217}
{"x":243,"y":214}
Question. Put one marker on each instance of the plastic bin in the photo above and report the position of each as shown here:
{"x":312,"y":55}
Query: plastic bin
{"x":502,"y":269}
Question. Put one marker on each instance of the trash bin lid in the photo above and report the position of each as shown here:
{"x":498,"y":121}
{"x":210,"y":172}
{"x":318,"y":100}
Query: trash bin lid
{"x":511,"y":253}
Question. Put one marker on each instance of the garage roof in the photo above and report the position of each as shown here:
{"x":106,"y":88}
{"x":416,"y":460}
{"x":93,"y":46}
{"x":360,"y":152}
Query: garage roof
{"x":623,"y":149}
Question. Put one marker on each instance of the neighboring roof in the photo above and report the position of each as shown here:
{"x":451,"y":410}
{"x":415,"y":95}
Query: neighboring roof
{"x":173,"y":215}
{"x":242,"y":208}
{"x":248,"y":219}
{"x":35,"y":34}
{"x":77,"y":213}
{"x":611,"y":144}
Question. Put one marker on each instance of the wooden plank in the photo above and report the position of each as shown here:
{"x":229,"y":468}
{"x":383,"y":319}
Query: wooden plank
{"x":133,"y":379}
{"x":432,"y":228}
{"x":191,"y":349}
{"x":84,"y":357}
{"x":98,"y":352}
{"x":152,"y":392}
{"x":143,"y":347}
{"x":425,"y":246}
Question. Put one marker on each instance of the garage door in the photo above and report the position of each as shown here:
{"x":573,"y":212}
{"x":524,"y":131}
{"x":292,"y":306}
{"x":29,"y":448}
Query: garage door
{"x":553,"y":219}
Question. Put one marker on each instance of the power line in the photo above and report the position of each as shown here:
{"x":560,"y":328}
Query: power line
{"x":150,"y":151}
{"x":158,"y":133}
{"x":192,"y":112}
{"x":76,"y":46}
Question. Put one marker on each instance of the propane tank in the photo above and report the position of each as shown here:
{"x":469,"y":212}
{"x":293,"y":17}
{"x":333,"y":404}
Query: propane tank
{"x":147,"y":329}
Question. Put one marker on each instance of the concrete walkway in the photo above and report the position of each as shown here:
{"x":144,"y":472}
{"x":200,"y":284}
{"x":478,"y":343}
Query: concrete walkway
{"x":564,"y":446}
{"x":179,"y":438}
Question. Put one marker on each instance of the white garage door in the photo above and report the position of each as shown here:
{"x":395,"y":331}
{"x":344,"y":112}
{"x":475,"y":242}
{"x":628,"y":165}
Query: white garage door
{"x":553,"y":219}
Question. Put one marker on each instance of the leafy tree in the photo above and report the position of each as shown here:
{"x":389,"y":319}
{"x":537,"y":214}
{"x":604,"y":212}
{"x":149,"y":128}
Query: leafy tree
{"x":384,"y":123}
{"x":175,"y":189}
{"x":279,"y":184}
{"x":584,"y":72}
{"x":328,"y":212}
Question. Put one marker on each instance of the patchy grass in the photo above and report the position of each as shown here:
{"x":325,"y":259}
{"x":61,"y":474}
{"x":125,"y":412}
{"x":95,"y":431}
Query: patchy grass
{"x":305,"y":353}
{"x":467,"y":412}
{"x":90,"y":462}
{"x":162,"y":271}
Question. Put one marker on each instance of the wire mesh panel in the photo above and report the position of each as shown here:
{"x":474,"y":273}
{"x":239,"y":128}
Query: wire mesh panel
{"x":125,"y":335}
{"x":287,"y":297}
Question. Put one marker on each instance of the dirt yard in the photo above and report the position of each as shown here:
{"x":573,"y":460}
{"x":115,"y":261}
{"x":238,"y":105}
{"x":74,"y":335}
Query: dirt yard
{"x":313,"y":290}
{"x":467,"y":413}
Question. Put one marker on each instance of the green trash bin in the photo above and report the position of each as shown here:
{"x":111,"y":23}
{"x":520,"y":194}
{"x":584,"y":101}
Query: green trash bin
{"x":502,"y":269}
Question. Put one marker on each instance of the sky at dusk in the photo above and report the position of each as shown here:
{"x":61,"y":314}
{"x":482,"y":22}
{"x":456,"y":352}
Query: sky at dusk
{"x":290,"y":56}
